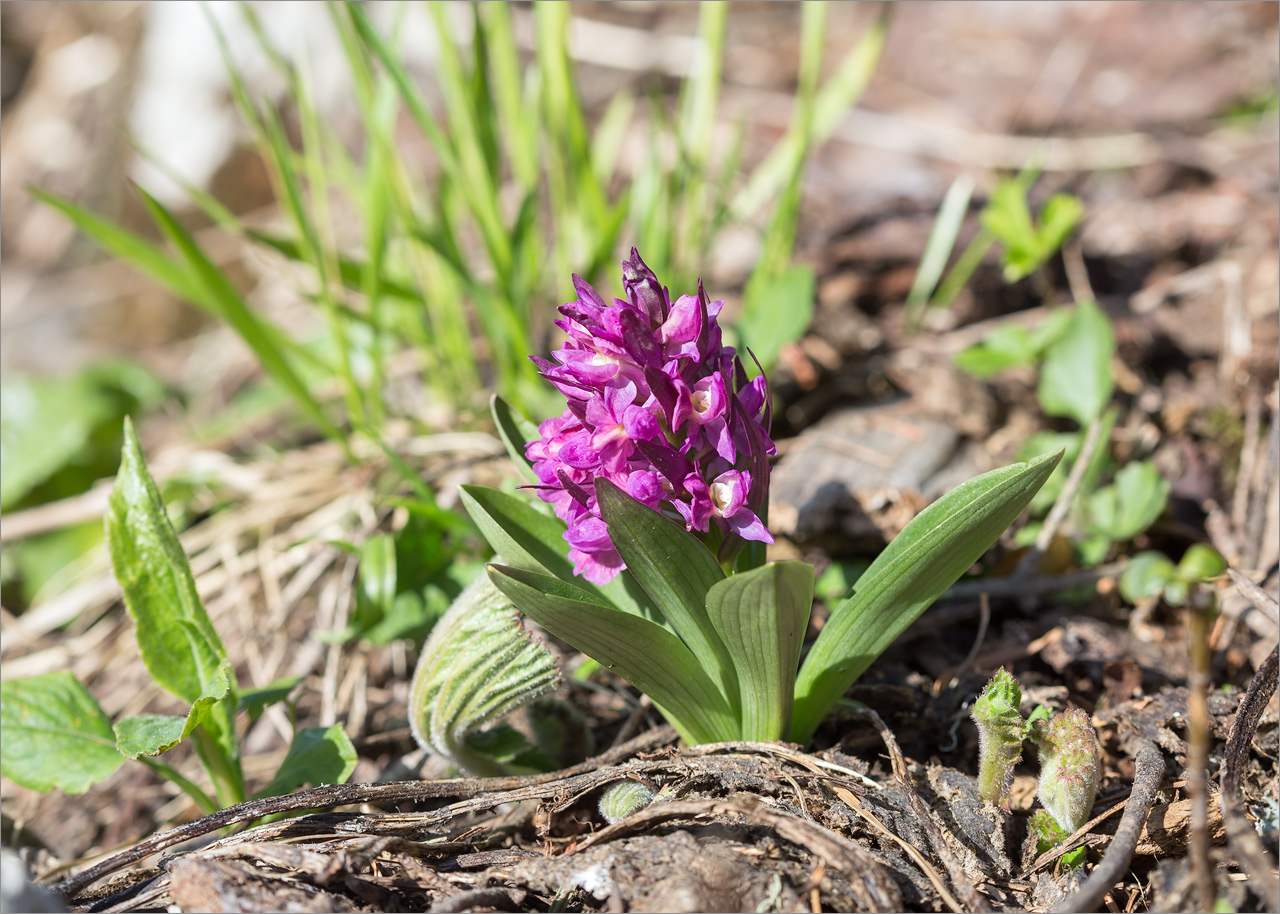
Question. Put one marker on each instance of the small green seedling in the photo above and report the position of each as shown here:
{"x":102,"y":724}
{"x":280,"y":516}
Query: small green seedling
{"x":56,"y":735}
{"x":1151,"y":574}
{"x":1001,"y":731}
{"x":1070,"y":761}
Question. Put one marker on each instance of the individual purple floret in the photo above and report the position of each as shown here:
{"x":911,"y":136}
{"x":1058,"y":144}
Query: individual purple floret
{"x":660,"y":407}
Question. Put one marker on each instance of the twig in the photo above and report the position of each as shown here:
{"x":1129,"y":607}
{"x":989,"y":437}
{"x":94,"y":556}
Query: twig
{"x":984,"y":620}
{"x":959,"y":877}
{"x":1077,"y":272}
{"x":336,"y":795}
{"x":1248,"y":456}
{"x":1197,"y":616}
{"x":1148,"y":772}
{"x":1262,"y":601}
{"x":1031,"y":585}
{"x":1240,"y":834}
{"x":1060,"y":507}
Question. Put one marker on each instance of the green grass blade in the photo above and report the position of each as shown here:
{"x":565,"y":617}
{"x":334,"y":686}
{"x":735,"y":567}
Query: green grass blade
{"x":217,"y":290}
{"x":841,"y":92}
{"x":942,"y":240}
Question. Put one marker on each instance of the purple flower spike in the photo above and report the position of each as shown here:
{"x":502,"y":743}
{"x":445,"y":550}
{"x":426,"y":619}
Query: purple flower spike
{"x":655,"y":406}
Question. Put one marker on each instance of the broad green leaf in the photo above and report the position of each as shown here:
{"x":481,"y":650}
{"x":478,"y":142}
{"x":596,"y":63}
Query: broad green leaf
{"x":777,"y":311}
{"x":515,"y":431}
{"x":317,"y":755}
{"x":1004,"y":347}
{"x":478,"y":665}
{"x":149,"y":734}
{"x":153,"y":734}
{"x":1076,"y":380}
{"x":1145,"y":576}
{"x":253,"y":701}
{"x":761,"y":616}
{"x":527,"y":538}
{"x":54,"y":734}
{"x":923,"y":560}
{"x":1200,"y":563}
{"x":650,"y":657}
{"x":675,"y":570}
{"x":178,"y":643}
{"x":62,"y":433}
{"x":1131,"y":503}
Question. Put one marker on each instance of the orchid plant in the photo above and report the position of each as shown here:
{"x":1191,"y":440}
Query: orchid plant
{"x":657,"y":474}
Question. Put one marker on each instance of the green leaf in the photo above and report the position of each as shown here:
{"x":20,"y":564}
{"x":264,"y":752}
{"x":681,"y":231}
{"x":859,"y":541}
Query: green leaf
{"x":131,"y":248}
{"x":1131,"y":503}
{"x":675,"y":570}
{"x":1200,"y":563}
{"x":515,"y":431}
{"x":527,"y":538}
{"x":939,"y":544}
{"x":217,"y":293}
{"x":1076,"y":379}
{"x":153,"y":734}
{"x":942,"y":240}
{"x":178,"y":643}
{"x":1007,"y":346}
{"x":1145,"y":576}
{"x":54,"y":734}
{"x":317,"y":755}
{"x":761,"y":615}
{"x":650,"y":657}
{"x":149,"y":734}
{"x":777,"y":311}
{"x":1059,"y":217}
{"x":253,"y":701}
{"x":478,"y":665}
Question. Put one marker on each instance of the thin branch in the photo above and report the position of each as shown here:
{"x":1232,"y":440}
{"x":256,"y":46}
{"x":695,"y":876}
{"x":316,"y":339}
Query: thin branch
{"x":959,"y":877}
{"x":335,"y":795}
{"x":1148,"y":772}
{"x":1241,"y":836}
{"x":1060,"y":507}
{"x":1262,"y":601}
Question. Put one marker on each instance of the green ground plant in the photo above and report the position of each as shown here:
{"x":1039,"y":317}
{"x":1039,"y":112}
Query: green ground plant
{"x":651,"y":563}
{"x":56,"y":735}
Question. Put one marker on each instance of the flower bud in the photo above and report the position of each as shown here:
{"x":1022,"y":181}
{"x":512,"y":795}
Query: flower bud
{"x":1069,"y":766}
{"x":624,"y":798}
{"x":1000,"y":734}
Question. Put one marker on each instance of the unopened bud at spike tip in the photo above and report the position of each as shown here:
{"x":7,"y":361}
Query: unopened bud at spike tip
{"x":1069,"y":766}
{"x":1000,"y":734}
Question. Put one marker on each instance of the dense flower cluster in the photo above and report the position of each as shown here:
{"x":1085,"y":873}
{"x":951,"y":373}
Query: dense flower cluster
{"x":659,"y":407}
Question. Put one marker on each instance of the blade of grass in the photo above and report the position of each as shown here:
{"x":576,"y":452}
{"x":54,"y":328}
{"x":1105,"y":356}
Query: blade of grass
{"x":841,"y":91}
{"x":942,"y":240}
{"x":218,"y":290}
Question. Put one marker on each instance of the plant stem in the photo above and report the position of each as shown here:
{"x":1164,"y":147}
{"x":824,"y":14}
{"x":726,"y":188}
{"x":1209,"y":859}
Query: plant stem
{"x":224,"y":771}
{"x":190,"y":788}
{"x":1199,"y":611}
